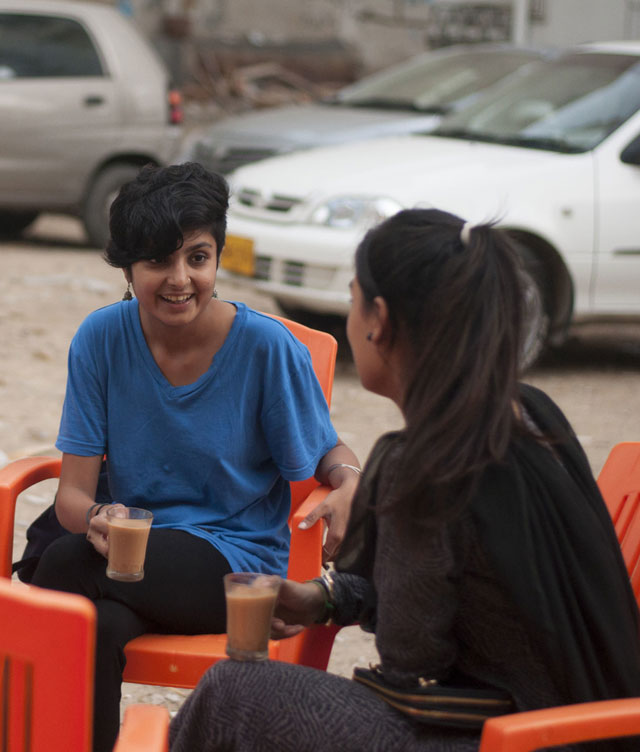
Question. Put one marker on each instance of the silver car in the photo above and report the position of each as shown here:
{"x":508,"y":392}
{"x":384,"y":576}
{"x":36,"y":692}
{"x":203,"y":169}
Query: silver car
{"x":85,"y":102}
{"x":411,"y":97}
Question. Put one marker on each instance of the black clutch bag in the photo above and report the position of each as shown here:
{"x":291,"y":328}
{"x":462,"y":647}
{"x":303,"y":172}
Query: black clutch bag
{"x":440,"y":704}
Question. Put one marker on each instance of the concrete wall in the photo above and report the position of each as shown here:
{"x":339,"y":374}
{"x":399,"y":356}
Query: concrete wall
{"x":385,"y":31}
{"x":566,"y":22}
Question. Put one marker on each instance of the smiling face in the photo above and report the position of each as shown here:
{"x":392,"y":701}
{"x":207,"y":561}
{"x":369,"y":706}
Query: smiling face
{"x":176,"y":291}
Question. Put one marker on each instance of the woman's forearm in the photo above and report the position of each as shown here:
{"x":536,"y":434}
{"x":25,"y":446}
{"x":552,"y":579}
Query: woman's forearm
{"x":76,"y":492}
{"x":339,"y":465}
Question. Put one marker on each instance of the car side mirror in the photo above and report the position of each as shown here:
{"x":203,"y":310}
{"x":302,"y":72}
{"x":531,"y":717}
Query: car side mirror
{"x":631,"y":152}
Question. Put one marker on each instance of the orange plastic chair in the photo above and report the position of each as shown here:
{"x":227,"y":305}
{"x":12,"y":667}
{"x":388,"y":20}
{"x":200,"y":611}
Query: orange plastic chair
{"x":539,"y":729}
{"x":145,"y":729}
{"x":619,"y":483}
{"x":180,"y":660}
{"x":47,"y":645}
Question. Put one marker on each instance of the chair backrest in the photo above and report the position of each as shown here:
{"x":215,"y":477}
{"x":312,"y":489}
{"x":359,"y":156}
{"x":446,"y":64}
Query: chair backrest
{"x":47,"y":644}
{"x":540,"y":729}
{"x":323,"y":349}
{"x":619,"y":483}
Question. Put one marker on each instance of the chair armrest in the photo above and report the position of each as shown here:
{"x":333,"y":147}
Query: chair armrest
{"x":305,"y":559}
{"x":537,"y":729}
{"x":25,"y":472}
{"x":145,"y":729}
{"x":14,"y":479}
{"x":318,"y":495}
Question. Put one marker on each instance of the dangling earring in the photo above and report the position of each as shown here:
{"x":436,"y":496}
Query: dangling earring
{"x":215,"y":293}
{"x":127,"y":293}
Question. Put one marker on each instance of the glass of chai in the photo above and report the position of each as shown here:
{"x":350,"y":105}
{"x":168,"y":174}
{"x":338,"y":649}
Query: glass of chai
{"x":251,"y":598}
{"x":128,"y":534}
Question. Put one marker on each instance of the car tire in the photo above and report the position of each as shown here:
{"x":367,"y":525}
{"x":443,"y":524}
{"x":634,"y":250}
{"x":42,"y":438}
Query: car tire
{"x":12,"y":223}
{"x":537,"y":318}
{"x":103,"y":190}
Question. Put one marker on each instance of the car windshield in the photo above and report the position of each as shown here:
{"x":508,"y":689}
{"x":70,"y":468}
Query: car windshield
{"x":569,"y":104}
{"x":436,"y":82}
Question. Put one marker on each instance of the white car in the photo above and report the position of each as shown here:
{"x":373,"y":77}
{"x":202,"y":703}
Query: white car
{"x":553,"y":156}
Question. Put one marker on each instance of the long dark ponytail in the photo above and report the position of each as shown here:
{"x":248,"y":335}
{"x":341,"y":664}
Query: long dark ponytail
{"x":454,"y":295}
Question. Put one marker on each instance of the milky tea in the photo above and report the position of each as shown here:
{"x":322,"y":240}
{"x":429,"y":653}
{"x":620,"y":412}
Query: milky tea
{"x":251,"y":598}
{"x":128,"y":534}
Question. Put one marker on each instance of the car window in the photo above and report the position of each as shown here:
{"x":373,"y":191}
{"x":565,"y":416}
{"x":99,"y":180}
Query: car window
{"x":33,"y":46}
{"x":569,"y":104}
{"x":434,"y":81}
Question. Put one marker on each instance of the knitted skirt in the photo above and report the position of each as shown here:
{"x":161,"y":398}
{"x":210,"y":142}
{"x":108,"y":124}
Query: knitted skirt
{"x":278,"y":707}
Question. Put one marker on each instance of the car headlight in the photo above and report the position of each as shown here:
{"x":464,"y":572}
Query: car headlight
{"x":347,"y":212}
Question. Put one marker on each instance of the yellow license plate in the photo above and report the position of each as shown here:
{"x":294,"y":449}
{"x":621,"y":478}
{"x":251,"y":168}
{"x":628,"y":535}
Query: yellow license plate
{"x":238,"y":256}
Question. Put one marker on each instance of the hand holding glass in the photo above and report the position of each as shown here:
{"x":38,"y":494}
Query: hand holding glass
{"x":251,"y":598}
{"x":128,"y":534}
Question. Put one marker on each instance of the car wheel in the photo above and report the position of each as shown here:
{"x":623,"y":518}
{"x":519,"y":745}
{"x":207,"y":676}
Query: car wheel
{"x":104,"y":189}
{"x":12,"y":223}
{"x":536,"y":310}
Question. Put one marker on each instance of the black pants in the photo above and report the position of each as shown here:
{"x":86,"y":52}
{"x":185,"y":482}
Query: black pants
{"x":181,"y":593}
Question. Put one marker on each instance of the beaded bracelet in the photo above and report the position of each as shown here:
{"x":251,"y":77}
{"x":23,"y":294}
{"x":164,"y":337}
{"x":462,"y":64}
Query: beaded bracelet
{"x":329,"y":607}
{"x":99,"y":506}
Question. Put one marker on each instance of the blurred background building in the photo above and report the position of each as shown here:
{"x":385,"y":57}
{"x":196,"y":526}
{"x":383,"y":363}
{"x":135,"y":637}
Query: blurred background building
{"x":383,"y":31}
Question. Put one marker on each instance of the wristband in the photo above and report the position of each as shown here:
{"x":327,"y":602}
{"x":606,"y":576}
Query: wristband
{"x":99,"y":506}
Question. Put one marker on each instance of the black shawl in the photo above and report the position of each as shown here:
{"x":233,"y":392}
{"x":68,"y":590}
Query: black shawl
{"x":547,"y":532}
{"x":551,"y":540}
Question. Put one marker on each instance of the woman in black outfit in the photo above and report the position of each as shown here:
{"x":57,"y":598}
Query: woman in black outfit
{"x":479,"y":549}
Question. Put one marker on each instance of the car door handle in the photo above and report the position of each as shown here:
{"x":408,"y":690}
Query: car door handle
{"x":93,"y":100}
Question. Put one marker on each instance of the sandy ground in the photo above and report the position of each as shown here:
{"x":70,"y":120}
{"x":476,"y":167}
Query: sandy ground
{"x":50,"y":282}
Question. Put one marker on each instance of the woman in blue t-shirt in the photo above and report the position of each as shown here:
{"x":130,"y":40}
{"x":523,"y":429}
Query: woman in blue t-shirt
{"x":205,"y":410}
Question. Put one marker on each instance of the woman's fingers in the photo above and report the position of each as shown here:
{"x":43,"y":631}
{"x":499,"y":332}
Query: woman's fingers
{"x":99,"y":541}
{"x":281,"y":630}
{"x":98,"y":532}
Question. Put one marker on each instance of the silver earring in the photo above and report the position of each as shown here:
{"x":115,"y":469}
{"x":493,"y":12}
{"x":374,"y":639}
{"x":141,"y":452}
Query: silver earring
{"x":369,"y":336}
{"x":215,"y":293}
{"x":127,"y":293}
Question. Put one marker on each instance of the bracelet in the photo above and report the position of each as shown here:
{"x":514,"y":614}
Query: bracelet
{"x":355,"y":469}
{"x":99,"y":506}
{"x":329,"y":607}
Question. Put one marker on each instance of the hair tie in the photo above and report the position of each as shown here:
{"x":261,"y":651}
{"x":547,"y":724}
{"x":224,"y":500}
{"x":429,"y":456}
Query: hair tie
{"x":465,"y":233}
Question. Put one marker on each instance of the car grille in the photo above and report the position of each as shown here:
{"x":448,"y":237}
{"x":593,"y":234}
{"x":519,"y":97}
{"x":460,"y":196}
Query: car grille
{"x":274,"y":203}
{"x":262,"y":267}
{"x":293,"y":273}
{"x":225,"y":161}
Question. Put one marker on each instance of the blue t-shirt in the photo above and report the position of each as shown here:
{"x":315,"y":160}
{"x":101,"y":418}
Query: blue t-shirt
{"x":212,"y":458}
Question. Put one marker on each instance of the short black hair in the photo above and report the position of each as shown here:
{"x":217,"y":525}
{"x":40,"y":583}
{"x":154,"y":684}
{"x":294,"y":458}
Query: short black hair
{"x":151,"y":214}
